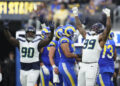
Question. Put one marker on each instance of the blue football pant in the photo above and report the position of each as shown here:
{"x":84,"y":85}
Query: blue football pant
{"x":104,"y":79}
{"x":68,"y":74}
{"x":45,"y":79}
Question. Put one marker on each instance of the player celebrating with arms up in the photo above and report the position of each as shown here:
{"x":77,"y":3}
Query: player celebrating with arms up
{"x":29,"y":52}
{"x":93,"y":45}
{"x":106,"y":62}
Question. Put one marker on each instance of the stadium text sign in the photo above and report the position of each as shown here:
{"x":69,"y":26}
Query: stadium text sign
{"x":17,"y":7}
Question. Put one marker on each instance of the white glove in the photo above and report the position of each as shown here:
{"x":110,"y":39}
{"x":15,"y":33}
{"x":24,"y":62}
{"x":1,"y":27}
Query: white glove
{"x":75,"y":11}
{"x":45,"y":70}
{"x":0,"y":77}
{"x":76,"y":68}
{"x":106,"y":11}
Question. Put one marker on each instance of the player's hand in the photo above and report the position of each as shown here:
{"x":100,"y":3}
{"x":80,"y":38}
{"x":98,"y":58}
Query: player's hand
{"x":51,"y":25}
{"x":75,"y":11}
{"x":76,"y":68}
{"x":6,"y":25}
{"x":42,"y":19}
{"x":55,"y":68}
{"x":106,"y":11}
{"x":78,"y":57}
{"x":45,"y":70}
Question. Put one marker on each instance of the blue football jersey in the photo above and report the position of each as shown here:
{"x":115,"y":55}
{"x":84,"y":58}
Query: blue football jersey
{"x":57,"y":54}
{"x":106,"y":61}
{"x":71,"y":47}
{"x":45,"y":56}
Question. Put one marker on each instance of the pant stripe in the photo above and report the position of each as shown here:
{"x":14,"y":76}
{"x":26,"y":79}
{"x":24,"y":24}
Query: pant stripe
{"x":68,"y":74}
{"x":42,"y":78}
{"x":101,"y":81}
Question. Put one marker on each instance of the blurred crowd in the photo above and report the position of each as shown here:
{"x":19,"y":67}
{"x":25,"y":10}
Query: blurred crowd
{"x":59,"y":11}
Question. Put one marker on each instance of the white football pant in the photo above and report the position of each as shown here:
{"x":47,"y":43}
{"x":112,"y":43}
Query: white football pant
{"x":29,"y":78}
{"x":87,"y":74}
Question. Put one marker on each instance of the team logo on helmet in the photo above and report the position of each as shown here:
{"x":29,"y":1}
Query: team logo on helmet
{"x":111,"y":35}
{"x":45,"y":31}
{"x":59,"y":32}
{"x":69,"y":30}
{"x":97,"y":28}
{"x":28,"y":35}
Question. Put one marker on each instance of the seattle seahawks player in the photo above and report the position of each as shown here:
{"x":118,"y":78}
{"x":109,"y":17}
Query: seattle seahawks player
{"x":93,"y":45}
{"x":29,"y":53}
{"x":106,"y":62}
{"x":68,"y":56}
{"x":55,"y":57}
{"x":46,"y":69}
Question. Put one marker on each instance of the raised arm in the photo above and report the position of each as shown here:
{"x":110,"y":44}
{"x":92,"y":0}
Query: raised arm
{"x":115,"y":55}
{"x":46,"y":41}
{"x":9,"y":37}
{"x":104,"y":36}
{"x":78,"y":22}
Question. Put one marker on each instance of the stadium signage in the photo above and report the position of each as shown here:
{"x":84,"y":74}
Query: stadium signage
{"x":20,"y":8}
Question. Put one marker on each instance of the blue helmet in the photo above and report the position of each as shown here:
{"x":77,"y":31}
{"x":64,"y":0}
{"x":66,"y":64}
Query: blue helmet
{"x":45,"y":31}
{"x":111,"y":35}
{"x":97,"y":28}
{"x":59,"y":32}
{"x":30,"y":28}
{"x":30,"y":36}
{"x":68,"y":30}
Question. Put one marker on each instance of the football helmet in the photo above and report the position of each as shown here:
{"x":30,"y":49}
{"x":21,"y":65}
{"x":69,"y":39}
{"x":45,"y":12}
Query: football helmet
{"x":30,"y":32}
{"x":59,"y":32}
{"x":97,"y":28}
{"x":45,"y":31}
{"x":68,"y":30}
{"x":111,"y":35}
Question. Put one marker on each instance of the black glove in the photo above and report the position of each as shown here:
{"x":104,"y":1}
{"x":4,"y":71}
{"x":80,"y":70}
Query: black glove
{"x":51,"y":25}
{"x":6,"y":25}
{"x":42,"y":19}
{"x":79,"y":55}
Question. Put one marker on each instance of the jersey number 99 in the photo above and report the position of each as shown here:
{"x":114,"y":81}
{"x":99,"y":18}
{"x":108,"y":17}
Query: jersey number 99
{"x":27,"y":52}
{"x":89,"y":44}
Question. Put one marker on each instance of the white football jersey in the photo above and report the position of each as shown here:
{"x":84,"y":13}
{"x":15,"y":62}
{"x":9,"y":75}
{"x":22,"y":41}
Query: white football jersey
{"x":29,"y":50}
{"x":91,"y":49}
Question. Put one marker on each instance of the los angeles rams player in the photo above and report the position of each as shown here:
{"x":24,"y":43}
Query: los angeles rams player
{"x":46,"y":71}
{"x":55,"y":57}
{"x":106,"y":62}
{"x":67,"y":61}
{"x":93,"y":45}
{"x":29,"y":54}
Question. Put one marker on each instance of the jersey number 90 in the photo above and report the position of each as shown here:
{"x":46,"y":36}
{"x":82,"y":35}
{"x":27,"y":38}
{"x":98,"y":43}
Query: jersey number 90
{"x":27,"y":52}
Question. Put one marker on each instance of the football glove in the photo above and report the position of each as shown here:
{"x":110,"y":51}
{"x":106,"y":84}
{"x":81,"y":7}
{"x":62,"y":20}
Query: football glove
{"x":45,"y":70}
{"x":75,"y":11}
{"x":107,"y":12}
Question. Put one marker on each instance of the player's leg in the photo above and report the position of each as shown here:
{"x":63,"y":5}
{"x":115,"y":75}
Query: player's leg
{"x":104,"y":79}
{"x":68,"y":73}
{"x":32,"y":77}
{"x":81,"y":75}
{"x":44,"y":78}
{"x":23,"y":77}
{"x":91,"y":74}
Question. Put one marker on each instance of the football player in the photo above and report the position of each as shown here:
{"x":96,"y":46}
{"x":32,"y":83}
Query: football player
{"x":68,"y":58}
{"x":106,"y":62}
{"x":54,"y":56}
{"x":92,"y":47}
{"x":46,"y":68}
{"x":29,"y":52}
